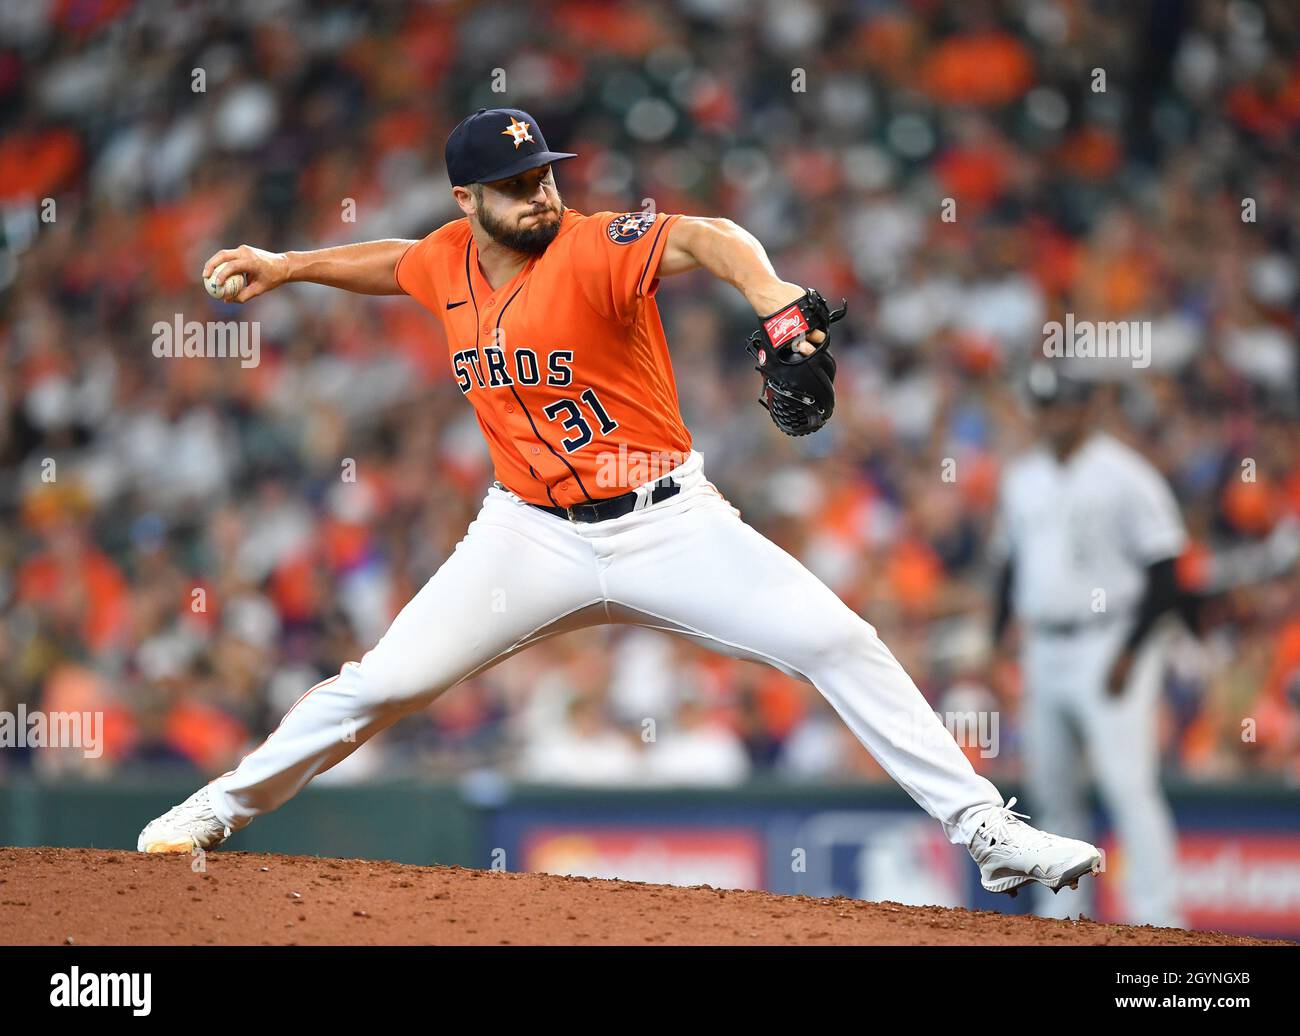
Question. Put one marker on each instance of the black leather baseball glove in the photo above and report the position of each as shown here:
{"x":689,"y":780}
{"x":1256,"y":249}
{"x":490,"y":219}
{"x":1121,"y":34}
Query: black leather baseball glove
{"x":798,"y":390}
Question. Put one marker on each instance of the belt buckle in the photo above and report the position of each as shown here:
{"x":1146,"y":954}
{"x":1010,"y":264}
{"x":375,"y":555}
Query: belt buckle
{"x":568,"y":513}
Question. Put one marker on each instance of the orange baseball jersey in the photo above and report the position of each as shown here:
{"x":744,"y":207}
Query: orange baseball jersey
{"x":565,"y":363}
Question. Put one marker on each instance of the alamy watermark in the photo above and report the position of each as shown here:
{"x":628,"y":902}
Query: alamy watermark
{"x":626,"y":467}
{"x":209,"y":339}
{"x":75,"y":988}
{"x":1091,"y":339}
{"x":37,"y":729}
{"x":972,"y":728}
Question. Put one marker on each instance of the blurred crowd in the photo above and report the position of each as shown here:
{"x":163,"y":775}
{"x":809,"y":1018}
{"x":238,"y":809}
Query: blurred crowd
{"x":187,"y":544}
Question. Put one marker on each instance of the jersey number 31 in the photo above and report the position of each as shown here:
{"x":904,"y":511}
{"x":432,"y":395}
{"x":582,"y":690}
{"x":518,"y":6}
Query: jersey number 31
{"x":576,"y":423}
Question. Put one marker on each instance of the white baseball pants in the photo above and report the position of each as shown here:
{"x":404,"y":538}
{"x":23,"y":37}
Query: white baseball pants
{"x":1071,"y":721}
{"x":688,"y":565}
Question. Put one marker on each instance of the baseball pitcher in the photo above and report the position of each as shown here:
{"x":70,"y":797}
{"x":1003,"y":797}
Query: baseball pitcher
{"x":555,"y":340}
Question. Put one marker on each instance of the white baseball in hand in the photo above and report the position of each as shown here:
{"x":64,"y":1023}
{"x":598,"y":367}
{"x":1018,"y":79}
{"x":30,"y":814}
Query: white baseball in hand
{"x":224,"y":288}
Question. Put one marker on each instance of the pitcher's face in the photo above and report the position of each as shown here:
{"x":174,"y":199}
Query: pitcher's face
{"x":521,"y":213}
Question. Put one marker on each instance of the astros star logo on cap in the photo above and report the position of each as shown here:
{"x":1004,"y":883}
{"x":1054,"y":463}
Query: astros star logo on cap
{"x":519,"y":131}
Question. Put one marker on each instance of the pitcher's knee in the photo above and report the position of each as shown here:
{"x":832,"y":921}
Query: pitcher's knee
{"x":386,"y":688}
{"x":850,"y":642}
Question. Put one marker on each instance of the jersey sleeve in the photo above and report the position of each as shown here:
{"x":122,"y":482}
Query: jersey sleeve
{"x":1156,"y":529}
{"x":415,"y":272}
{"x":616,"y":258}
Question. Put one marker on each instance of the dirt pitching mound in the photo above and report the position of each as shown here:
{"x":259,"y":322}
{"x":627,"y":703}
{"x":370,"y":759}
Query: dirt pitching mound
{"x":109,"y":897}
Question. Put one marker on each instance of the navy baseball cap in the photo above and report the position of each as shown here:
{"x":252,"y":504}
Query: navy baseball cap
{"x":495,"y":143}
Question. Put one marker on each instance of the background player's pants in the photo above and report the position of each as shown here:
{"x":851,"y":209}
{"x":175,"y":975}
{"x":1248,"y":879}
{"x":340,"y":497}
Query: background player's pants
{"x":688,"y":565}
{"x":1069,"y":717}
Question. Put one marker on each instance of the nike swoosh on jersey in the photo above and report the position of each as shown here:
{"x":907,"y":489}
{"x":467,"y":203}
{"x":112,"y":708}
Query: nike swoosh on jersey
{"x":453,"y":305}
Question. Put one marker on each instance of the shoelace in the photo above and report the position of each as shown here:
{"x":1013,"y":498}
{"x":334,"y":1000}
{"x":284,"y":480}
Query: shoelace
{"x":997,"y":827}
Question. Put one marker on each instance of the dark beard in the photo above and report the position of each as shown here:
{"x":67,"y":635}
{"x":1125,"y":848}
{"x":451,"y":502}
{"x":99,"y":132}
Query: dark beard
{"x":530,"y":242}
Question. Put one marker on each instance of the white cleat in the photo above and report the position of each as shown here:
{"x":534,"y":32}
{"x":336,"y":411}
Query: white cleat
{"x":184,"y":828}
{"x":1010,"y":853}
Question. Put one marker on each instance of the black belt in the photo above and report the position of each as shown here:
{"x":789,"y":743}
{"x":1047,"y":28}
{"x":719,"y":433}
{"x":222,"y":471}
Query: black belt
{"x":613,"y":506}
{"x":1059,"y":629}
{"x":1070,"y":629}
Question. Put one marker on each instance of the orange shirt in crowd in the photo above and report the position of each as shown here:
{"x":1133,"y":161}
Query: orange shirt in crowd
{"x":990,"y":67}
{"x":92,"y":590}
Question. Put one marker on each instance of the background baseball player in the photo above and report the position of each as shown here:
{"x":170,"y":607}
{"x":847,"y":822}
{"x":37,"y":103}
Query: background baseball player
{"x":1088,"y":534}
{"x":555,"y":339}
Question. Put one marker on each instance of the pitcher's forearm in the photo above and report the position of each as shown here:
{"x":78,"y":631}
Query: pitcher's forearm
{"x":368,"y":268}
